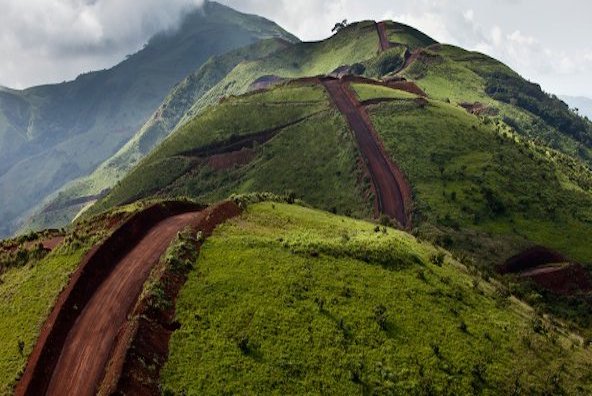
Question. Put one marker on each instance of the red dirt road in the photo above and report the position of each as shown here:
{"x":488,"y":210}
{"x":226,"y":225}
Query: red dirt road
{"x":393,"y":193}
{"x":88,"y":344}
{"x":382,"y":36}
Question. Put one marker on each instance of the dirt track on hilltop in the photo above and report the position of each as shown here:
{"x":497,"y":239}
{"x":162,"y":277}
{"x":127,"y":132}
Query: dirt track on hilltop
{"x":382,"y":36}
{"x":393,"y":193}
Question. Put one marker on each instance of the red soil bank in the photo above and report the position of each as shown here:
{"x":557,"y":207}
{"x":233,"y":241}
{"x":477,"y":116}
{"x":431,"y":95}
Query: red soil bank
{"x":549,"y":269}
{"x":393,"y":193}
{"x":566,"y":279}
{"x":152,"y":326}
{"x":76,"y":339}
{"x":401,"y":85}
{"x":232,"y":159}
{"x":531,"y":258}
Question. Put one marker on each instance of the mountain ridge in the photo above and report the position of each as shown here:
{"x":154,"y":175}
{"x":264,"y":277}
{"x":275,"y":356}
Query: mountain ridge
{"x":53,"y":133}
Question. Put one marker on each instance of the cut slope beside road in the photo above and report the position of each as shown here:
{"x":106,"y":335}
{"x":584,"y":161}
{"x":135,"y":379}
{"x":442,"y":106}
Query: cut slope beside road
{"x":78,"y":337}
{"x":89,"y":342}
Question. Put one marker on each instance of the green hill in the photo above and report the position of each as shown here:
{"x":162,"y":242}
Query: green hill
{"x":312,"y":289}
{"x":292,"y":300}
{"x":237,"y":71}
{"x":483,"y":187}
{"x":287,"y":298}
{"x":50,"y":135}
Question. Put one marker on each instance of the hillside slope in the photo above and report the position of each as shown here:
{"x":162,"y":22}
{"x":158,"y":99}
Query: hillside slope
{"x":52,"y":134}
{"x":63,"y":206}
{"x":291,"y":300}
{"x":477,"y":186}
{"x":355,"y":44}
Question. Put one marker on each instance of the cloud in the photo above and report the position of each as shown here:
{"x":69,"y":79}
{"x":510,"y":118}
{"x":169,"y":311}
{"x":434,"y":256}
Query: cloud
{"x":43,"y":39}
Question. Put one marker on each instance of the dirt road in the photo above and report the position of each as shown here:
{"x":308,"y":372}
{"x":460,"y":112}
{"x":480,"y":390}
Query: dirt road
{"x":88,"y":344}
{"x":382,"y":36}
{"x":392,"y":191}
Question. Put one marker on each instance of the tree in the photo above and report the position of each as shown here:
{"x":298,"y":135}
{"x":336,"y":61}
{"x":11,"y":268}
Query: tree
{"x":339,"y":25}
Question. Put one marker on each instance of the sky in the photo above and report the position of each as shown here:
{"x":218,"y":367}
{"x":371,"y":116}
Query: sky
{"x":547,"y":42}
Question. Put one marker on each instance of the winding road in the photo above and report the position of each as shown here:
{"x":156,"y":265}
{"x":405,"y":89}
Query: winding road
{"x":89,"y":342}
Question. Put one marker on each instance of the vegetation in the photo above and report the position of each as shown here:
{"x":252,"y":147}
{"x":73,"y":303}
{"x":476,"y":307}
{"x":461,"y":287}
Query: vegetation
{"x":470,"y":173}
{"x":402,"y":34}
{"x":29,"y":289}
{"x":321,"y":168}
{"x":160,"y":125}
{"x":95,"y":115}
{"x":450,"y":73}
{"x":292,"y":300}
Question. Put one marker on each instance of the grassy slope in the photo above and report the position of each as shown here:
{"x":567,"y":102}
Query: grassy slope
{"x":292,"y":300}
{"x":27,"y":296}
{"x":407,"y":35}
{"x":73,"y":127}
{"x":163,"y":122}
{"x":315,"y":158}
{"x":451,"y":73}
{"x":356,"y":43}
{"x":472,"y":174}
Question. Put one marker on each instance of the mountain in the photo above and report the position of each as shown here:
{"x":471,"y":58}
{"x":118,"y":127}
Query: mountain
{"x":373,"y":213}
{"x":50,"y":135}
{"x":471,"y":156}
{"x":285,"y":298}
{"x":236,"y":70}
{"x":451,"y":145}
{"x":583,"y":104}
{"x":62,"y":207}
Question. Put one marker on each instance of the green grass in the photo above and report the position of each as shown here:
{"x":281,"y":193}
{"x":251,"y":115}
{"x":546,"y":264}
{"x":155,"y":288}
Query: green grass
{"x":358,"y":43}
{"x":27,"y":296}
{"x":174,"y":106}
{"x":290,"y":300}
{"x":406,"y":35}
{"x":447,"y":72}
{"x":367,"y":92}
{"x":66,"y":130}
{"x":316,"y":158}
{"x":470,"y":173}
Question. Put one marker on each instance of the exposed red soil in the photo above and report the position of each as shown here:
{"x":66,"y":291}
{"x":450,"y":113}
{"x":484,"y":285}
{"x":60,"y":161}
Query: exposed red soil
{"x":550,"y":270}
{"x":230,"y":160}
{"x":566,"y":279}
{"x":531,"y":258}
{"x":48,"y":244}
{"x":398,"y":84}
{"x":76,"y":339}
{"x":240,"y":142}
{"x":410,"y":58}
{"x":393,"y":193}
{"x":146,"y":337}
{"x":383,"y":41}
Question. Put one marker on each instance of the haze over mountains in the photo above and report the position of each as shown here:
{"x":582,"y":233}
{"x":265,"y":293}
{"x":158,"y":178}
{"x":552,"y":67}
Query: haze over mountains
{"x":52,"y":134}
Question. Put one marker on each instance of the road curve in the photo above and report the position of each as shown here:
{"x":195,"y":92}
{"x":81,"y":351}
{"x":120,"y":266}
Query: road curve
{"x":89,"y":342}
{"x":393,"y":194}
